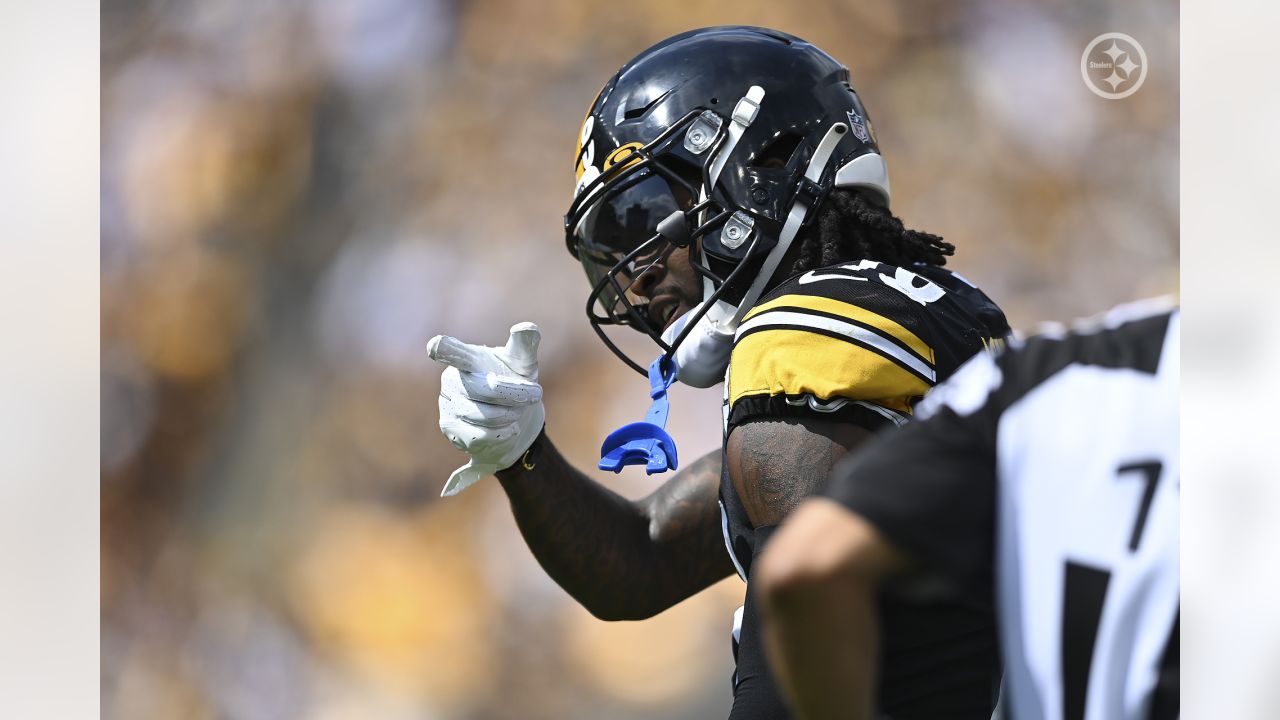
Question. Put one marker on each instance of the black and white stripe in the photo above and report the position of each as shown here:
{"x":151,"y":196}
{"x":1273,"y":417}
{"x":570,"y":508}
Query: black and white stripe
{"x":841,"y":328}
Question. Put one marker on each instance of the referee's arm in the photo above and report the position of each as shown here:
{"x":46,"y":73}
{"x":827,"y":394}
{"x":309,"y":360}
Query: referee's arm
{"x":817,"y":584}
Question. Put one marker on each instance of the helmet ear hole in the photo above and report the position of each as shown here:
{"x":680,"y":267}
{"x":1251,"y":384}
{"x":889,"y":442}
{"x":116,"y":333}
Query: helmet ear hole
{"x":777,"y":154}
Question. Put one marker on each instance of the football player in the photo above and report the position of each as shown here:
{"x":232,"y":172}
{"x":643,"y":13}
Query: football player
{"x":1046,"y":477}
{"x":732,"y":204}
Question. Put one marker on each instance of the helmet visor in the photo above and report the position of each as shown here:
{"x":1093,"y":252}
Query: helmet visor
{"x":617,"y":225}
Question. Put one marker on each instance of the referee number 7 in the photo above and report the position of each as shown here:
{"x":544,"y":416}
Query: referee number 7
{"x":1150,"y":472}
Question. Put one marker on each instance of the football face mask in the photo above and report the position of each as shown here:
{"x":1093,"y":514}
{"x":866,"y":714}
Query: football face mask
{"x":648,"y":201}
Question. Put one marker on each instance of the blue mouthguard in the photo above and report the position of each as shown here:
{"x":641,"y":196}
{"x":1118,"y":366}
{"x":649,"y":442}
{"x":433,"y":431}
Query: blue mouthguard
{"x":646,"y":441}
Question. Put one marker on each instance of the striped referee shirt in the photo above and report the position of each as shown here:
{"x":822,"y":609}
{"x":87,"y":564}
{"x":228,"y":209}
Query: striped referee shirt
{"x":1047,"y":476}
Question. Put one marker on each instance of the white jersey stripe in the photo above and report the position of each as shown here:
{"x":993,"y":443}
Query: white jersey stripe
{"x":894,"y":416}
{"x":728,"y":544}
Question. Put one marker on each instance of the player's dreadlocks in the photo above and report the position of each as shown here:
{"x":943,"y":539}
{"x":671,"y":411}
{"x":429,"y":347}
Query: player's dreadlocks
{"x":850,"y":227}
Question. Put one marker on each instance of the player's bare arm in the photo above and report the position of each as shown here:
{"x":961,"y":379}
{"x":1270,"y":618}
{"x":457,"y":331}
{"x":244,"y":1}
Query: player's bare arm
{"x":622,"y":559}
{"x":817,"y":585}
{"x":775,"y":464}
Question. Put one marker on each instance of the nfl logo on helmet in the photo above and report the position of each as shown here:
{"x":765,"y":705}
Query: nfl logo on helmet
{"x":859,"y":127}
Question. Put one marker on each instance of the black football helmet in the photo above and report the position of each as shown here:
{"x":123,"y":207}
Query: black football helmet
{"x":722,"y":139}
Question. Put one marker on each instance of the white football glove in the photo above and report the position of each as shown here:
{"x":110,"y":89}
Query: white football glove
{"x":490,"y":401}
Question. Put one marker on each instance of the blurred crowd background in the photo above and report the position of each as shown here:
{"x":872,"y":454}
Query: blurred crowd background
{"x":297,"y":194}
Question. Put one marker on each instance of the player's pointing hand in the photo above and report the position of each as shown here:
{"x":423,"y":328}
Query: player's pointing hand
{"x":490,"y":401}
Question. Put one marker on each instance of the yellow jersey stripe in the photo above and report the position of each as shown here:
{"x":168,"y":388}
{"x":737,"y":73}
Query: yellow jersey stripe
{"x":853,"y":312}
{"x":857,"y":333}
{"x":783,"y":361}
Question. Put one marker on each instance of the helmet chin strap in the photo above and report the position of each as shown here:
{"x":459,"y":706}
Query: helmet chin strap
{"x":744,"y":113}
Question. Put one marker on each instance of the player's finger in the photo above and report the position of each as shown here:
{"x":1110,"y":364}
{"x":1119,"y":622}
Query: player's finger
{"x":500,"y":389}
{"x":464,"y":356}
{"x":521,"y":351}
